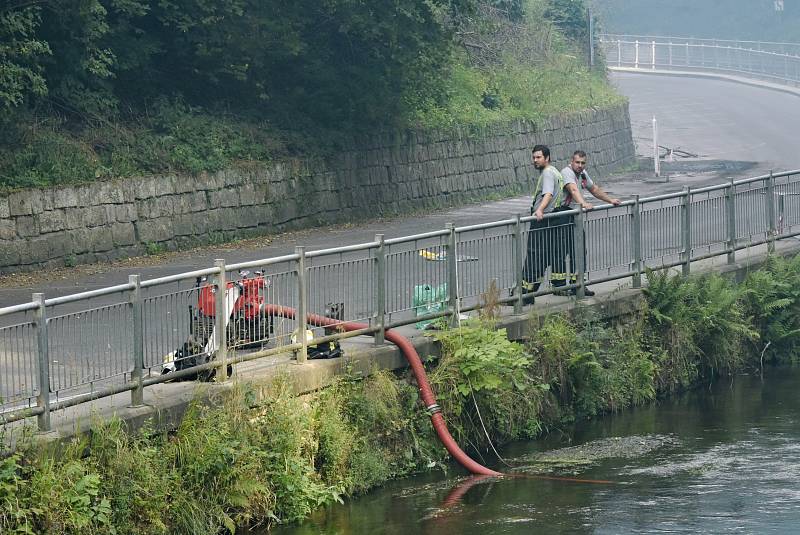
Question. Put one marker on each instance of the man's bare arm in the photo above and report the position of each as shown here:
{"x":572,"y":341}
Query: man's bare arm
{"x":598,"y":192}
{"x":575,"y":191}
{"x":539,"y":213}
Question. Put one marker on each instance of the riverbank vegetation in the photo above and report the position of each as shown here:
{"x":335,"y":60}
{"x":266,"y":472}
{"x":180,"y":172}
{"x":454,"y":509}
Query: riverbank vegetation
{"x":97,"y":89}
{"x":276,"y":461}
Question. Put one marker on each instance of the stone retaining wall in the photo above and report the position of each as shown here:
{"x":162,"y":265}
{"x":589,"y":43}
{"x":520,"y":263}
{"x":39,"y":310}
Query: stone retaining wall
{"x":385,"y":174}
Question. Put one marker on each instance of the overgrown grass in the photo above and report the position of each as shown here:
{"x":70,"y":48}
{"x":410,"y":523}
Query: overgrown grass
{"x":236,"y":464}
{"x":517,"y":92}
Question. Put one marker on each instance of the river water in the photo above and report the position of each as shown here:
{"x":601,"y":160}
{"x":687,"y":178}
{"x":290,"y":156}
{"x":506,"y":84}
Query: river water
{"x":720,"y":459}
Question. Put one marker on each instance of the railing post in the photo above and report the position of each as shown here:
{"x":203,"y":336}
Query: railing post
{"x":636,"y":241}
{"x":452,"y":274}
{"x":670,"y":53}
{"x":619,"y":52}
{"x":771,"y":212}
{"x":686,"y":229}
{"x":730,"y":201}
{"x":380,"y":298}
{"x":43,"y":352}
{"x":687,"y":53}
{"x":636,"y":56}
{"x":221,"y":320}
{"x":653,"y":56}
{"x":781,"y":212}
{"x":137,"y":394}
{"x":519,"y":261}
{"x":302,"y":291}
{"x":578,"y":239}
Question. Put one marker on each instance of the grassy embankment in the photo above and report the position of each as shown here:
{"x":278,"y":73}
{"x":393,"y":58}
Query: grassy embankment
{"x":238,"y":464}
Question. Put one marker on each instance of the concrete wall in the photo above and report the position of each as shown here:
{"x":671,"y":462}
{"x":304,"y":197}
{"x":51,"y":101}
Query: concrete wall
{"x":384,"y":174}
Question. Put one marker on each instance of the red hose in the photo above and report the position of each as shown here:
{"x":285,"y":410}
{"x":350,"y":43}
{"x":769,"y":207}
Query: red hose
{"x":408,"y":350}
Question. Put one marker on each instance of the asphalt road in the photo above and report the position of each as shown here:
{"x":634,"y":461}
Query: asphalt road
{"x":726,"y":124}
{"x":715,"y":119}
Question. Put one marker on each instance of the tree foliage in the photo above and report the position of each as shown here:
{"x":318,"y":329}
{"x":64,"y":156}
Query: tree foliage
{"x":334,"y":62}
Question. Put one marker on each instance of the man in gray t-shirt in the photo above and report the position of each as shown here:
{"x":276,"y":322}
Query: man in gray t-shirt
{"x":575,"y":173}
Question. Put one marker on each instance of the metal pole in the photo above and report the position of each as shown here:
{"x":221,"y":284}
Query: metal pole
{"x":380,"y":298}
{"x":519,"y":260}
{"x":43,"y":399}
{"x":730,"y":200}
{"x":452,"y":274}
{"x":579,"y":260}
{"x":670,"y":53}
{"x":656,"y":161}
{"x":636,"y":56}
{"x":636,"y":240}
{"x":300,"y":318}
{"x":781,"y":208}
{"x":686,"y":228}
{"x":619,"y":52}
{"x":137,"y":394}
{"x":221,"y":323}
{"x":771,"y":212}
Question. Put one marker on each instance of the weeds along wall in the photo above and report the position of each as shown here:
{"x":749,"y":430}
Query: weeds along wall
{"x":384,"y":175}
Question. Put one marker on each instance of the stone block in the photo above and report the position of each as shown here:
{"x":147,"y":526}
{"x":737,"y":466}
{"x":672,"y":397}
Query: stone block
{"x":4,"y":211}
{"x":10,"y":252}
{"x":48,"y":199}
{"x":94,"y":216}
{"x":125,"y":213}
{"x":229,"y":218}
{"x":247,"y":195}
{"x":8,"y":229}
{"x":224,"y":198}
{"x":155,"y":207}
{"x":144,"y":188}
{"x":27,"y":226}
{"x":123,"y":234}
{"x":197,"y":201}
{"x":154,"y":230}
{"x":183,"y":225}
{"x":163,"y":187}
{"x":51,"y":221}
{"x":26,"y":202}
{"x":73,"y":218}
{"x":186,"y":184}
{"x":200,"y":224}
{"x":100,"y":239}
{"x":108,"y":193}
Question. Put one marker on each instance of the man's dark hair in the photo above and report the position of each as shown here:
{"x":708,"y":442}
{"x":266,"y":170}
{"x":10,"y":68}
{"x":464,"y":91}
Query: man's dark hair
{"x":544,"y":150}
{"x":580,"y":153}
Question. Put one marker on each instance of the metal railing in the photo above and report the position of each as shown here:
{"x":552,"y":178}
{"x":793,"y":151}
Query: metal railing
{"x":60,"y":352}
{"x":776,"y":62}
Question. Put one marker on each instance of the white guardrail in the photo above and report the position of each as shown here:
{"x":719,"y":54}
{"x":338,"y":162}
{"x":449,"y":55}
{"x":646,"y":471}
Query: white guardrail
{"x":774,"y":62}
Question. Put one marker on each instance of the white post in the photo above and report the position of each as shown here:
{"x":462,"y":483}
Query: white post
{"x":636,"y":58}
{"x":653,"y":56}
{"x":656,"y":162}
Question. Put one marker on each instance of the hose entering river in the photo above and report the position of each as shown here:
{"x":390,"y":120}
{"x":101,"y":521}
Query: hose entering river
{"x":428,"y":398}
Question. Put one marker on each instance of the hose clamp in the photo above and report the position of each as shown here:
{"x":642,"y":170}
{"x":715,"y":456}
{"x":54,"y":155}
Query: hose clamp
{"x":433,"y":409}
